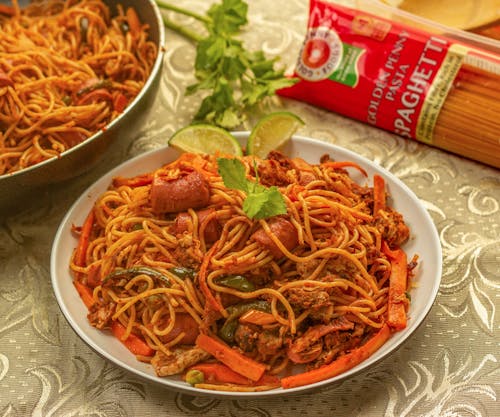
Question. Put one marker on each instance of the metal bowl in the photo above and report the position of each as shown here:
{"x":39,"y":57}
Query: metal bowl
{"x":84,"y":156}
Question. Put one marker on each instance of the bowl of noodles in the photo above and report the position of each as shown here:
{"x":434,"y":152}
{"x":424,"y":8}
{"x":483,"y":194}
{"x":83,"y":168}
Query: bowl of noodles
{"x":161,"y":268}
{"x":74,"y":76}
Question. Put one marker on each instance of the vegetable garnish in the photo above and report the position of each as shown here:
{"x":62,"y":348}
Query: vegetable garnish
{"x":398,"y":281}
{"x":85,"y":292}
{"x":261,"y":202}
{"x":235,"y":78}
{"x":230,"y":357}
{"x":137,"y":345}
{"x":125,"y":275}
{"x":341,"y":364}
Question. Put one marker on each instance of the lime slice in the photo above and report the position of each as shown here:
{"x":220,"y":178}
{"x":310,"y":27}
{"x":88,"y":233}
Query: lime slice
{"x":207,"y":139}
{"x":271,"y":132}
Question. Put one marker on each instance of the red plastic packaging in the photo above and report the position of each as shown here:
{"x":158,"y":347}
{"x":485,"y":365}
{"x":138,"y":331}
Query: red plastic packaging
{"x":401,"y":78}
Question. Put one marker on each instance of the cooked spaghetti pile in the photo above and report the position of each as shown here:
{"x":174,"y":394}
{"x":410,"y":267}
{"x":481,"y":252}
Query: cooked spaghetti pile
{"x":170,"y":262}
{"x":67,"y":68}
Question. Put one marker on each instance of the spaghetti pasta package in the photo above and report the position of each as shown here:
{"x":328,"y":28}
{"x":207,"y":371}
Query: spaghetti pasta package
{"x":421,"y":85}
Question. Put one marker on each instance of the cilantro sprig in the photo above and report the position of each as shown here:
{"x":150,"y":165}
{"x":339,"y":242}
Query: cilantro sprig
{"x":234,"y":78}
{"x":260,"y":202}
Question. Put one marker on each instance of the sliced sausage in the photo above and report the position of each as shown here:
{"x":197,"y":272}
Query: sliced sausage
{"x":212,"y":229}
{"x":284,"y":230}
{"x":174,"y":195}
{"x":5,"y":80}
{"x":184,"y":323}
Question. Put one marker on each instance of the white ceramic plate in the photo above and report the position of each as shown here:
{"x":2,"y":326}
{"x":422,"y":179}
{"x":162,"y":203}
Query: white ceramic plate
{"x":424,"y":242}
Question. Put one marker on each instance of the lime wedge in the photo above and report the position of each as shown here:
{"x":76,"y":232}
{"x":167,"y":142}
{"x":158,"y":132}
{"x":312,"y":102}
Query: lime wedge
{"x":207,"y":139}
{"x":271,"y":132}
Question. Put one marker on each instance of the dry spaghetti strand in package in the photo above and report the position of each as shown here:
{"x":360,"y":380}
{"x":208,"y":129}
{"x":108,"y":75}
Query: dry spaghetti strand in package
{"x":421,"y":85}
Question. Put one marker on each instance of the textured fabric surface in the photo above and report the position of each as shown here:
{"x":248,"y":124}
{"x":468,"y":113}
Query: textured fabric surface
{"x":448,"y":367}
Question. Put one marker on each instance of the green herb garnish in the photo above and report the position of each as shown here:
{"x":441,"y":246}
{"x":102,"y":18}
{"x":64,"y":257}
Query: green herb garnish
{"x":261,"y":202}
{"x":235,"y":78}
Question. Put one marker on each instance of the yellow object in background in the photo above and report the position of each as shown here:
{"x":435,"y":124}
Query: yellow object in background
{"x":466,"y":14}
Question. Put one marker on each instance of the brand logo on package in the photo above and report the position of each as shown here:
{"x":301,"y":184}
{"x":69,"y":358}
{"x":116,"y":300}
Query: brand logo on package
{"x":320,"y":55}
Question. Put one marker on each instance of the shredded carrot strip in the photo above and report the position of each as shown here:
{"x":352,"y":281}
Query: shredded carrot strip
{"x":133,"y":342}
{"x":230,"y":357}
{"x":85,"y":292}
{"x":378,"y":194}
{"x":83,"y":241}
{"x":398,"y":281}
{"x":342,"y":364}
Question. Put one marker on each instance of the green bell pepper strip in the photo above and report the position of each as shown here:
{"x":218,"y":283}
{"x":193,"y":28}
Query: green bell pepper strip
{"x":237,"y":282}
{"x":183,"y":272}
{"x":128,"y":273}
{"x":228,"y":329}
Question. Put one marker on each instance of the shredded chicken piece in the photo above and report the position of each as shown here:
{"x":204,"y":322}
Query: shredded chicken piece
{"x":309,"y":298}
{"x":99,"y":316}
{"x":177,"y":361}
{"x":391,"y":225}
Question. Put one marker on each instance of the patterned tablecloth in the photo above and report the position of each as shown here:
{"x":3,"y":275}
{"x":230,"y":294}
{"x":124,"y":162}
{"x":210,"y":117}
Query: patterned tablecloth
{"x":448,"y":367}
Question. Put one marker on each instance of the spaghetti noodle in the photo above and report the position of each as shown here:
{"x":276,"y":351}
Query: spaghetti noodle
{"x":468,"y":123}
{"x":67,"y":68}
{"x":188,"y":278}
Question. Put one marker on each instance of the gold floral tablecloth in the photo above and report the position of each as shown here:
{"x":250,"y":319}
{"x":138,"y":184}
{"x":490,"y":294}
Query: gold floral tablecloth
{"x":448,"y":367}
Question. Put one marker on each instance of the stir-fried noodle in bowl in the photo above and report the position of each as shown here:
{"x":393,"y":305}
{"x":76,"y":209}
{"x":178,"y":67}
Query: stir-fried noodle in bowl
{"x":170,"y":263}
{"x":67,"y":70}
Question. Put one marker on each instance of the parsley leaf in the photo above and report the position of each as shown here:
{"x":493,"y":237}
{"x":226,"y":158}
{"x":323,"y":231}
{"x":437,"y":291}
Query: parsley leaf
{"x":264,"y":204}
{"x":232,"y":78}
{"x":261,"y":202}
{"x":228,"y":16}
{"x":232,"y":172}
